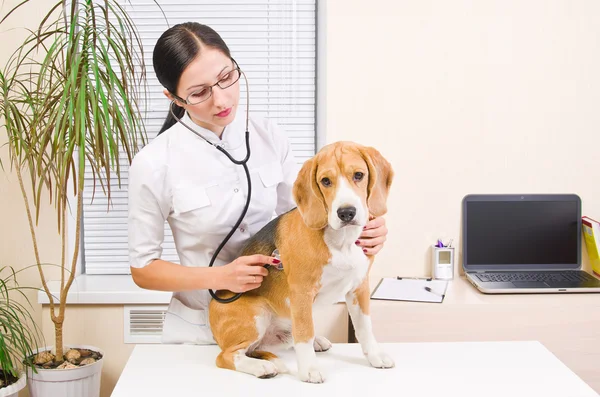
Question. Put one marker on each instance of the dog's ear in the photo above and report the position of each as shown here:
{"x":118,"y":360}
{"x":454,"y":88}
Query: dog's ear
{"x":308,"y":197}
{"x":380,"y":180}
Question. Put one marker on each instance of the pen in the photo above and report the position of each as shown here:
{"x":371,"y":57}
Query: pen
{"x":433,"y":292}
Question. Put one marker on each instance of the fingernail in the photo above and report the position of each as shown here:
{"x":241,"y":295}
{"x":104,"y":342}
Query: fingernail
{"x":365,"y":250}
{"x":275,"y":260}
{"x":364,"y":228}
{"x":357,"y":242}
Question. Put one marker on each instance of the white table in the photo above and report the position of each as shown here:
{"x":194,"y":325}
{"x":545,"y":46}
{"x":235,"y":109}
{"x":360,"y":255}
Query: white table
{"x":422,"y":369}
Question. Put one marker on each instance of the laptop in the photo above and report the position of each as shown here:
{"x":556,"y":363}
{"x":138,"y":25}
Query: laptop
{"x":524,"y":243}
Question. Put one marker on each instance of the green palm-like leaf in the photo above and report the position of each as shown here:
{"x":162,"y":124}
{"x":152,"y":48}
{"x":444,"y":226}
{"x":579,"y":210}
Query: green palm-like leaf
{"x":84,"y":97}
{"x":71,"y":99}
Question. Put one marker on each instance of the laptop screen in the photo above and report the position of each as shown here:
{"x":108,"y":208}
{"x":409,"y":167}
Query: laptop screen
{"x":517,"y":233}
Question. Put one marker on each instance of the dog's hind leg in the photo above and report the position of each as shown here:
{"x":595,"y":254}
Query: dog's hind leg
{"x":239,"y":328}
{"x":262,"y":355}
{"x":257,"y":363}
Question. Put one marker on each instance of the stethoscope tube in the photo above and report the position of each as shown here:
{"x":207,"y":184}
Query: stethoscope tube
{"x":243,"y":163}
{"x":237,"y":224}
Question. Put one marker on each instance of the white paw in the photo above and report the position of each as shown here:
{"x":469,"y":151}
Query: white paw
{"x":280,"y":365}
{"x":313,"y":375}
{"x":321,"y":344}
{"x":380,"y":359}
{"x":263,"y":369}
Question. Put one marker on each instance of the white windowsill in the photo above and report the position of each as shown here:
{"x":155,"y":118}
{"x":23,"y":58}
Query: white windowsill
{"x":105,"y":289}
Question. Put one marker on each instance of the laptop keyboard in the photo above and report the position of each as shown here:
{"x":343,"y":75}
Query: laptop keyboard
{"x":534,"y":276}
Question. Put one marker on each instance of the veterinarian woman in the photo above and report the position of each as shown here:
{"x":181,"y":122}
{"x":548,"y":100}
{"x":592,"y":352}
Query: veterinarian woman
{"x":183,"y":179}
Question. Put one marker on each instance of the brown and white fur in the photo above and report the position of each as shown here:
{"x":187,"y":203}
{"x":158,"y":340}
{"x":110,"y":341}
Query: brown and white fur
{"x":321,"y":261}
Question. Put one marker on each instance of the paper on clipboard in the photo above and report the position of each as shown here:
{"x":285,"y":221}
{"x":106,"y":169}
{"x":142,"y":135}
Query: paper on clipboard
{"x":410,"y":289}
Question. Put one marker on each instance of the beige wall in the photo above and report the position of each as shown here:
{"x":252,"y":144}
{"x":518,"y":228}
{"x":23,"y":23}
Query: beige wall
{"x":465,"y":97}
{"x":462,"y":97}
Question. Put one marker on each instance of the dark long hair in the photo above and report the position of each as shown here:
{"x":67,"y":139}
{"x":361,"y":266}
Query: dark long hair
{"x":174,"y":50}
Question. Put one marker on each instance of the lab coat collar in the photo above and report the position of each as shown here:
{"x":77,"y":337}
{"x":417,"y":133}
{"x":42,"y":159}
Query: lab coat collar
{"x":233,"y":136}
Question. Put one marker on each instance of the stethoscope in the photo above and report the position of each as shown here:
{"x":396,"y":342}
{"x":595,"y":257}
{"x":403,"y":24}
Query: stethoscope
{"x":238,"y":162}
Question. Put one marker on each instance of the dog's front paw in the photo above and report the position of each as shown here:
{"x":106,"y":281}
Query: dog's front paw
{"x":379,"y":359}
{"x":321,"y":344}
{"x":312,"y":375}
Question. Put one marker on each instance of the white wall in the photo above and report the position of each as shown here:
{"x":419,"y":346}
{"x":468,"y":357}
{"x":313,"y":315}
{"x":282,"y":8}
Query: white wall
{"x":465,"y":97}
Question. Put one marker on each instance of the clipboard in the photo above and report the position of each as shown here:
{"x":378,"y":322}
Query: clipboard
{"x":410,"y":289}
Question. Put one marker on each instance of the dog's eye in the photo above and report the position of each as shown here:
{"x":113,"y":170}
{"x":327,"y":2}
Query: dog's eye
{"x":326,"y":182}
{"x":358,"y":176}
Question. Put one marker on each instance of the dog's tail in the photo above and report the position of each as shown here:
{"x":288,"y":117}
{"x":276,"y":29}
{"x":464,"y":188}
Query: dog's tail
{"x":264,"y":355}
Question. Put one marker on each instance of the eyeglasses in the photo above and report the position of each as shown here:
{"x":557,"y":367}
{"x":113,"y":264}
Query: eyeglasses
{"x":202,"y":94}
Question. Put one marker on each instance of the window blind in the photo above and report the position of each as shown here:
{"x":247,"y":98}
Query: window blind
{"x":273,"y":41}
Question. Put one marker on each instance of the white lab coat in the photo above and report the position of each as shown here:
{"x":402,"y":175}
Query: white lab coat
{"x":180,"y":178}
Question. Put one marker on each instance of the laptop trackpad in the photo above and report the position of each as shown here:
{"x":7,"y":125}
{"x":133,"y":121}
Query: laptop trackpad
{"x":530,"y":284}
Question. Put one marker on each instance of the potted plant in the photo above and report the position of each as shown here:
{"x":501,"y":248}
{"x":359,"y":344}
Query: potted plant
{"x":70,"y":99}
{"x":19,"y":334}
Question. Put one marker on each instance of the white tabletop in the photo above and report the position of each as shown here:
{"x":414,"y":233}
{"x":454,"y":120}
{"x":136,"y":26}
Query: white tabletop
{"x":422,"y":369}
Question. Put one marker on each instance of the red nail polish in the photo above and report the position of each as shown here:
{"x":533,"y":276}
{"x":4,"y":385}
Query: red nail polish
{"x":275,"y":260}
{"x":365,"y":250}
{"x":357,"y":242}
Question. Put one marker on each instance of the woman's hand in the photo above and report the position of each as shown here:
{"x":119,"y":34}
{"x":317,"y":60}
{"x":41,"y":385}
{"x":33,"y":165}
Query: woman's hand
{"x":373,"y":236}
{"x":245,"y":273}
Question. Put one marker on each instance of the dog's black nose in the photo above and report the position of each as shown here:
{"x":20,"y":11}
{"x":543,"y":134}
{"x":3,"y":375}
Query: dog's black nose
{"x":346,"y":214}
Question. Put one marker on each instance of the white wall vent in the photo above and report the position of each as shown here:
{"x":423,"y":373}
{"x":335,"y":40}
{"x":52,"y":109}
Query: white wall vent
{"x":143,"y":323}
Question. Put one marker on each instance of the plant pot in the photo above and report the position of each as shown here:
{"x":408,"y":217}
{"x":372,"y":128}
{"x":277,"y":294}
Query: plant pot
{"x":75,"y":382}
{"x":13,"y":390}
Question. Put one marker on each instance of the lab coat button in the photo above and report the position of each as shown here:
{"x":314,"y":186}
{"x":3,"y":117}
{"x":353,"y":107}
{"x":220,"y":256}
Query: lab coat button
{"x":236,"y":190}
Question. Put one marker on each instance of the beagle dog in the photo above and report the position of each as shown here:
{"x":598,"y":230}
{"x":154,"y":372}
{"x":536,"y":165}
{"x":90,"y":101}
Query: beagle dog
{"x":336,"y":192}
